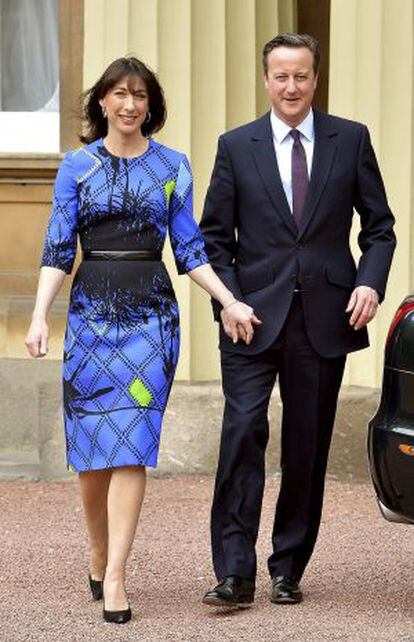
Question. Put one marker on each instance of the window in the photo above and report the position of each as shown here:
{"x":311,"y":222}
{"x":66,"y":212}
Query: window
{"x":29,"y":76}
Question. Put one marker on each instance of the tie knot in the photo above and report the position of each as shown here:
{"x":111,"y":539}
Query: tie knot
{"x":295,"y":133}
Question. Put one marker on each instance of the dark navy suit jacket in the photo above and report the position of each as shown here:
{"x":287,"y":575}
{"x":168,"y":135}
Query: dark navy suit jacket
{"x":253,"y":244}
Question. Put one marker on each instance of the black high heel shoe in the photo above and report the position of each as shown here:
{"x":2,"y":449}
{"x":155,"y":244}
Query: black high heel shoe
{"x":117,"y":617}
{"x":96,"y":587}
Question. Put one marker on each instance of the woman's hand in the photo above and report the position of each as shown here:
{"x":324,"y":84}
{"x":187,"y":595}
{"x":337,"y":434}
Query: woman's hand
{"x":237,"y":317}
{"x":50,"y":282}
{"x":37,"y":338}
{"x":238,"y":320}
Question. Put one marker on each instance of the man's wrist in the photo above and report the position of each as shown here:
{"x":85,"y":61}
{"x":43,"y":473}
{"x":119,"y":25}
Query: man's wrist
{"x":364,"y":285}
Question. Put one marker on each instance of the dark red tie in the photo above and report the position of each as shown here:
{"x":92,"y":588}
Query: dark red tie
{"x":300,"y":179}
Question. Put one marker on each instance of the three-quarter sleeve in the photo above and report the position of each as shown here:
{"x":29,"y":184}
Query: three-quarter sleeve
{"x":185,"y":236}
{"x":59,"y":249}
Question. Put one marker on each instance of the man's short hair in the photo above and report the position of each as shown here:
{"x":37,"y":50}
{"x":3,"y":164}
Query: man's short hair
{"x":293,"y":40}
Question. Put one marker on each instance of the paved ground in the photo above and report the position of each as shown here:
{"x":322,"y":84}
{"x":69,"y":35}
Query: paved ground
{"x":359,"y":585}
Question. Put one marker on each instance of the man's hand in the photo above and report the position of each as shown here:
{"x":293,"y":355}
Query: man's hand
{"x":364,"y":305}
{"x":238,"y":320}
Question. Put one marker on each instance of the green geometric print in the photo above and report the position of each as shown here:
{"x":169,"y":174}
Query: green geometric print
{"x":168,"y":189}
{"x":140,"y":393}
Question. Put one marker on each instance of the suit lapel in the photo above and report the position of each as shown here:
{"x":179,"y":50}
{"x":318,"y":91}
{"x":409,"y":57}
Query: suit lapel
{"x":323,"y":156}
{"x":265,"y":159}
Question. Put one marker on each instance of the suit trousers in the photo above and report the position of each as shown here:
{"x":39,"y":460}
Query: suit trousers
{"x":309,"y":386}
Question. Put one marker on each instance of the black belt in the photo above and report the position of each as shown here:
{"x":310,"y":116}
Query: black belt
{"x":121,"y":255}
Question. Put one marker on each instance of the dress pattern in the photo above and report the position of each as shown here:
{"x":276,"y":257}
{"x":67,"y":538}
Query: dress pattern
{"x":122,"y":337}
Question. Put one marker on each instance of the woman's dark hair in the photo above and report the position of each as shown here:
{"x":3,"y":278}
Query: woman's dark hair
{"x":95,"y":125}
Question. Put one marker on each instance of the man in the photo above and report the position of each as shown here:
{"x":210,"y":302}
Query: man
{"x":276,"y":223}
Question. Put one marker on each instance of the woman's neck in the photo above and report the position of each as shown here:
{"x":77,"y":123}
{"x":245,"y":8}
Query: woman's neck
{"x":124,"y":146}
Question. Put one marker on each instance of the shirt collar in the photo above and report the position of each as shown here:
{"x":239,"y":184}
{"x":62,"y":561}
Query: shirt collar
{"x":280,"y":129}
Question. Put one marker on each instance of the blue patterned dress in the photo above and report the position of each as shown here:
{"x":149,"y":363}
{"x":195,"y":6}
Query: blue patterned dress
{"x":122,"y":337}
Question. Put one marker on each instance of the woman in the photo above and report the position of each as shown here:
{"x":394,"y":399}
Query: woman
{"x":120,"y":193}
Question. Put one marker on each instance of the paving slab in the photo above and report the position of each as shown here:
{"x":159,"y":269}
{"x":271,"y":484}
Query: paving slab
{"x":358,"y":586}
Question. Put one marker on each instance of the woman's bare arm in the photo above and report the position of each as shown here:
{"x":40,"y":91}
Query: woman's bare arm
{"x":37,"y":338}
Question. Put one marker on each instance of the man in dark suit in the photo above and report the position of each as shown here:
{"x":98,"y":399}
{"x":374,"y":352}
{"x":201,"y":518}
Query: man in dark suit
{"x":276,"y":223}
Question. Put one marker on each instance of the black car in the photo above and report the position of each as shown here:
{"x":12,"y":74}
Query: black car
{"x":391,"y":431}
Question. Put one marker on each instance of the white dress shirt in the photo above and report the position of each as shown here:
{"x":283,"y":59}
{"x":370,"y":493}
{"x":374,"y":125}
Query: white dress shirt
{"x":283,"y":143}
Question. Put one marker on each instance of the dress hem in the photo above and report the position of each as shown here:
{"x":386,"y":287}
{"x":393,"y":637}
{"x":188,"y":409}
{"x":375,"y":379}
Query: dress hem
{"x":71,"y":469}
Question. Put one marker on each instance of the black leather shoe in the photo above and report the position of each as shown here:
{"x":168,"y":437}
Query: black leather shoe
{"x":96,"y":587}
{"x":285,"y":590}
{"x":232,"y":591}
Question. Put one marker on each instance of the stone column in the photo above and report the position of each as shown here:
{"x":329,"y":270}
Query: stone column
{"x":371,"y":80}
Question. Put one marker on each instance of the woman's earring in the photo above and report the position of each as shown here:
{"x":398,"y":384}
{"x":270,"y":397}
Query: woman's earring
{"x":148,"y":118}
{"x":104,"y":112}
